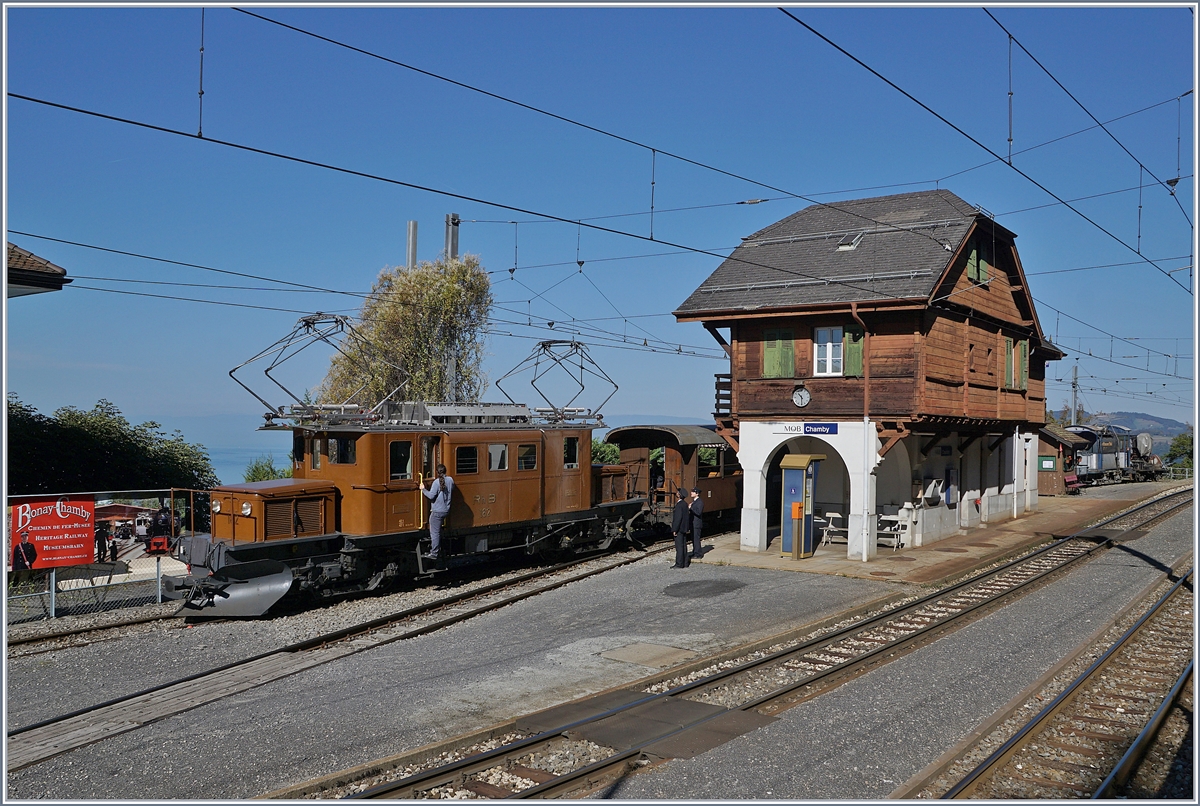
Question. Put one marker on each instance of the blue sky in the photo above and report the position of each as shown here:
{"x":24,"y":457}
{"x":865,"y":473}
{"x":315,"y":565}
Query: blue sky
{"x":745,"y":90}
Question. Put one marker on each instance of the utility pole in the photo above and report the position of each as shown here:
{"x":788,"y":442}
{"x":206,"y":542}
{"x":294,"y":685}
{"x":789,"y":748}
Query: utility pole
{"x":452,"y":222}
{"x":1074,"y":394}
{"x":412,"y":245}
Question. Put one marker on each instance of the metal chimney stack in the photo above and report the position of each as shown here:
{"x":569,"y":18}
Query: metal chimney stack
{"x":412,"y":244}
{"x":452,"y":222}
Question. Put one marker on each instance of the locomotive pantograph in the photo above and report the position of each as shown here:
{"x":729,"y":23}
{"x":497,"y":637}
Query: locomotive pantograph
{"x":354,"y":516}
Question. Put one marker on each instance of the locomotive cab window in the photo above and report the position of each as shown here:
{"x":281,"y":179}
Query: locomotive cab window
{"x":429,"y":455}
{"x":497,"y":457}
{"x":298,"y":444}
{"x":400,"y":460}
{"x":317,"y":449}
{"x":571,"y":452}
{"x":466,"y":459}
{"x":342,"y":450}
{"x":527,"y":457}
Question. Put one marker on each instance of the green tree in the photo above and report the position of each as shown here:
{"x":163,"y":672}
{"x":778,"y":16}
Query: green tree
{"x":424,"y":328}
{"x":263,"y":469}
{"x":605,"y":453}
{"x":96,"y":450}
{"x":1064,"y":415}
{"x":1180,"y":452}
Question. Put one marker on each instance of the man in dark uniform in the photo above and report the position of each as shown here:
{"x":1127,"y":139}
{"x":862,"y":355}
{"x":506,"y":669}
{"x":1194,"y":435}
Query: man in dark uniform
{"x":680,"y":519}
{"x":697,"y":510}
{"x":24,"y":555}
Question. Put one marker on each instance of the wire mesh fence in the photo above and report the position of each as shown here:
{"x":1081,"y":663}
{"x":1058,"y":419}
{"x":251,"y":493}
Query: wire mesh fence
{"x":113,"y":558}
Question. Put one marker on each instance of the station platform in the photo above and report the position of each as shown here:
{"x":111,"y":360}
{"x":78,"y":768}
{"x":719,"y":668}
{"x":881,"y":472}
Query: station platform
{"x":953,"y":556}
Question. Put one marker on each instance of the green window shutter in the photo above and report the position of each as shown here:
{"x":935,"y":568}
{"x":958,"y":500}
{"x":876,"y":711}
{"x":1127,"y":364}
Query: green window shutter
{"x":973,"y":260}
{"x":985,"y":259}
{"x":1024,"y":363}
{"x":1008,"y":363}
{"x":787,"y":354}
{"x":770,"y":368}
{"x":852,"y":351}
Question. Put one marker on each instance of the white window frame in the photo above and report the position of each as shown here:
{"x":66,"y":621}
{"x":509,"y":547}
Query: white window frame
{"x":827,"y":351}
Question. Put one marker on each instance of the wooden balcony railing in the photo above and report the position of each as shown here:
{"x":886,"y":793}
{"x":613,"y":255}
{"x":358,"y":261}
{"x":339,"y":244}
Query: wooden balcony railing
{"x":724,"y":402}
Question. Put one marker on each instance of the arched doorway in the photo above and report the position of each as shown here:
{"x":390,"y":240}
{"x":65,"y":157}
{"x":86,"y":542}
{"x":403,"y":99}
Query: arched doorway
{"x":832,"y":493}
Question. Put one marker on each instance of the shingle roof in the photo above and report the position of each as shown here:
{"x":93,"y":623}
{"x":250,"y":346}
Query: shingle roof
{"x":18,"y":258}
{"x":1063,"y":435}
{"x":885,"y":247}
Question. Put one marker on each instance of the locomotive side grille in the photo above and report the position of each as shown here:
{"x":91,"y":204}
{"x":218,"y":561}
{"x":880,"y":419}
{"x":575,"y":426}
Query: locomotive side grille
{"x":308,"y":516}
{"x":278,"y":518}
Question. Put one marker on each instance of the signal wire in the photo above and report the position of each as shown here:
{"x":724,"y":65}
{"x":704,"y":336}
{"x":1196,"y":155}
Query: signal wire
{"x":930,"y":110}
{"x":1089,"y":114}
{"x":298,"y":287}
{"x":653,"y":149}
{"x":499,"y":205}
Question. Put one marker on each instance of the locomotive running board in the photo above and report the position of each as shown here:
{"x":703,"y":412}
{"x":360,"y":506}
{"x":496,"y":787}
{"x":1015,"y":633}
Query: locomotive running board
{"x":240,"y":590}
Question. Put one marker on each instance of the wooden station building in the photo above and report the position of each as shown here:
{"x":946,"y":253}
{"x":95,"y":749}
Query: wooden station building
{"x":897,"y":335}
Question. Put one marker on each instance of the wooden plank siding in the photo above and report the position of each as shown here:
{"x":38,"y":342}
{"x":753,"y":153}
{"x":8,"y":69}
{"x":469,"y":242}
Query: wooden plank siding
{"x":992,"y":297}
{"x":934,"y":363}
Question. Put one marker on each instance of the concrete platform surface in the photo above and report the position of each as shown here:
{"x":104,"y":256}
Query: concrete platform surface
{"x":953,"y":556}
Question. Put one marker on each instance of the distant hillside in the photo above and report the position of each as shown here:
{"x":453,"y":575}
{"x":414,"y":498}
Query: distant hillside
{"x":1142,"y":423}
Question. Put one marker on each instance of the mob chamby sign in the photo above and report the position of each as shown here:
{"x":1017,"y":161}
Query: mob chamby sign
{"x":62,"y":529}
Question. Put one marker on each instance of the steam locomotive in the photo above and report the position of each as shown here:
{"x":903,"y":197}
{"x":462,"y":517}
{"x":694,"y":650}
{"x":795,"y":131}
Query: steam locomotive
{"x":1114,"y":454}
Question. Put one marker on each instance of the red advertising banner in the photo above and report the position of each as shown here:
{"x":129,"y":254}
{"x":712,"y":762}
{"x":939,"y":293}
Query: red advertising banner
{"x":60,"y":531}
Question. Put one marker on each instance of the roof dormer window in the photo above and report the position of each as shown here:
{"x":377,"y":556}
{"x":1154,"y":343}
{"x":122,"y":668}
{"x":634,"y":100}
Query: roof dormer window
{"x":850,"y":241}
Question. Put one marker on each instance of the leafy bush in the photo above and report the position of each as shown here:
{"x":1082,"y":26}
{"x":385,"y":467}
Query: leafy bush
{"x":263,"y":469}
{"x":605,"y":453}
{"x":97,"y":450}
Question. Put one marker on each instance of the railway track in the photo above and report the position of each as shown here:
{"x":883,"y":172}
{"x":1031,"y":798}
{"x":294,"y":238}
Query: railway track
{"x":579,"y":747}
{"x":52,"y":737}
{"x":1087,"y":742}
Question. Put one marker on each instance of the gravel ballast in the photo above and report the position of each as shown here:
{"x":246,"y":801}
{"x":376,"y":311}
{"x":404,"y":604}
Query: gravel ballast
{"x":517,"y":660}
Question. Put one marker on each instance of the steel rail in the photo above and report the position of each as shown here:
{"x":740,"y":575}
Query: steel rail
{"x":458,"y":770}
{"x":1137,"y":751}
{"x":364,"y":628}
{"x":967,"y":785}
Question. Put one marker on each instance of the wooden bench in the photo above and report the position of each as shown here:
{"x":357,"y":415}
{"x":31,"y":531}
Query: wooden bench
{"x":1074,"y":485}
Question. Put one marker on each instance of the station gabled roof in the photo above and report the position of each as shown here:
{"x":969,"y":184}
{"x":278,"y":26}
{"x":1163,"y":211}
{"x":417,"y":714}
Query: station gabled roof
{"x":881,"y":248}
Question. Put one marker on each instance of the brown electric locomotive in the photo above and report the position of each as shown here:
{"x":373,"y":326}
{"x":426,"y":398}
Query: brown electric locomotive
{"x":353,"y":516}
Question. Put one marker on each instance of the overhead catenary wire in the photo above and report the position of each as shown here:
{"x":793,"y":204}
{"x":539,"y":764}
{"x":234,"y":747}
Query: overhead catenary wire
{"x":1088,"y":112}
{"x":475,"y":200}
{"x":1060,"y":138}
{"x":293,"y":286}
{"x":958,"y":129}
{"x":654,"y":150}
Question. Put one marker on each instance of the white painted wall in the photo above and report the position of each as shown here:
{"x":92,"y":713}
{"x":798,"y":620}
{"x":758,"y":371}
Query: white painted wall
{"x":758,"y":442}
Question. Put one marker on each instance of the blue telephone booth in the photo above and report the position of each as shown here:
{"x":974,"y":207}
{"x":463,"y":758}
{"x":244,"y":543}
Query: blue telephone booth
{"x":796,"y":521}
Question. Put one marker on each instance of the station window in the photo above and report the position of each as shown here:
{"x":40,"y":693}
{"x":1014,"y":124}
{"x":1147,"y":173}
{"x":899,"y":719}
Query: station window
{"x":527,"y":457}
{"x":343,"y":450}
{"x":400,"y":459}
{"x":980,"y":255}
{"x":497,"y":457}
{"x":778,"y":356}
{"x":571,"y":452}
{"x":317,"y":449}
{"x":466,"y":459}
{"x":827,"y":347}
